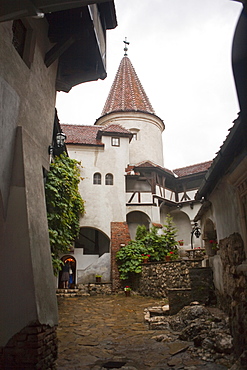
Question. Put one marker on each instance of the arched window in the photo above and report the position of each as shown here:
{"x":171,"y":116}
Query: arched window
{"x":109,"y":179}
{"x":97,"y":178}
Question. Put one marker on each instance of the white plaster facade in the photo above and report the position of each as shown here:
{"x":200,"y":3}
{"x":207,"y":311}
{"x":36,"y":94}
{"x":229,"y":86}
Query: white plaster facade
{"x":148,"y":128}
{"x":143,"y":191}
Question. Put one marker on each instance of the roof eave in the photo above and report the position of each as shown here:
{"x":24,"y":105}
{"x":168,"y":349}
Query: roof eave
{"x":231,"y":147}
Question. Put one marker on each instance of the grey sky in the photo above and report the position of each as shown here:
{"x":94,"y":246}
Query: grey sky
{"x":181,"y":51}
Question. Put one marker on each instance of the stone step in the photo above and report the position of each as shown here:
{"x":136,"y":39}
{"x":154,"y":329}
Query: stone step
{"x":67,"y":291}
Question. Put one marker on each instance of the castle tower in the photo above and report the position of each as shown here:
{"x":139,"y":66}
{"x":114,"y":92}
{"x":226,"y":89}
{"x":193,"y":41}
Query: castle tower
{"x":128,"y":105}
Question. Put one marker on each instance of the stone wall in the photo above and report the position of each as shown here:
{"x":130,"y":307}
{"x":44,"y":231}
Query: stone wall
{"x":95,"y":288}
{"x":158,"y":277}
{"x":201,"y":290}
{"x":119,"y":237}
{"x":34,"y":347}
{"x":232,"y":292}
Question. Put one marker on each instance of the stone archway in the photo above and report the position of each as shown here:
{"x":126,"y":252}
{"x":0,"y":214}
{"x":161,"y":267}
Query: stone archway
{"x":93,"y":241}
{"x":209,"y":235}
{"x":136,"y":218}
{"x":183,"y":225}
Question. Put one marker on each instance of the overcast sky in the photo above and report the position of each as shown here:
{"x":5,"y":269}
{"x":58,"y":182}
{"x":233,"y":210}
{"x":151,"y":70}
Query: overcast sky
{"x":181,"y":52}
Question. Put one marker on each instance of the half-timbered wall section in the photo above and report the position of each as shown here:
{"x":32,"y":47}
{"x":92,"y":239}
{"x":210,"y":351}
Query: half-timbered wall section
{"x":153,"y":184}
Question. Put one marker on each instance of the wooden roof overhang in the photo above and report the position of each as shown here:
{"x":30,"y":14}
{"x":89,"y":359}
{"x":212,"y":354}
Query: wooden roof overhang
{"x":78,"y":31}
{"x":80,"y":43}
{"x":86,"y":144}
{"x":170,"y":179}
{"x":15,"y":9}
{"x":233,"y":150}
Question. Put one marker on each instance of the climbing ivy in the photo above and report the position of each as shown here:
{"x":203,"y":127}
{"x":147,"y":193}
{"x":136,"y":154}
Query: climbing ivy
{"x":64,"y":206}
{"x":156,"y":245}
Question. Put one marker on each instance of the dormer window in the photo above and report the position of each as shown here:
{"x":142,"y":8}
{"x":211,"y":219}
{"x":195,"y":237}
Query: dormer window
{"x":115,"y":141}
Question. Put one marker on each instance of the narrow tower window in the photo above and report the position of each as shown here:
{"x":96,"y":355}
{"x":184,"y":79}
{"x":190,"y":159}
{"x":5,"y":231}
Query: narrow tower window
{"x":109,"y":179}
{"x":115,"y":141}
{"x":97,"y":178}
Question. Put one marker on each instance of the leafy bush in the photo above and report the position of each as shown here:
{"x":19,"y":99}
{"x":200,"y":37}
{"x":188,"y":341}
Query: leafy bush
{"x":130,"y":258}
{"x":64,"y":206}
{"x":157,"y":245}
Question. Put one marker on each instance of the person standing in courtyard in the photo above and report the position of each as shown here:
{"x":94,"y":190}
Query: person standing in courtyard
{"x":65,"y":275}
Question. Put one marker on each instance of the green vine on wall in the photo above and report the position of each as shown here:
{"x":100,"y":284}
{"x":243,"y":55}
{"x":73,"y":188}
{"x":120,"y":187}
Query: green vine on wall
{"x":156,"y":245}
{"x":64,"y":206}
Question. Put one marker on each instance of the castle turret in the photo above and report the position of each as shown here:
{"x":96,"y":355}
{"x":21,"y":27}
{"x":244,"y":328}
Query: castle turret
{"x":128,"y":105}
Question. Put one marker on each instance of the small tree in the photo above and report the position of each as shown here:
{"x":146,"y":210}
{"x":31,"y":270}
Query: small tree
{"x":64,"y":206}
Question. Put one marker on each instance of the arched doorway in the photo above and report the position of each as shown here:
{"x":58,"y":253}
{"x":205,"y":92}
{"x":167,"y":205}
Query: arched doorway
{"x":183,"y":225}
{"x":93,"y":241}
{"x":136,"y":218}
{"x":210,"y":237}
{"x":72,"y":274}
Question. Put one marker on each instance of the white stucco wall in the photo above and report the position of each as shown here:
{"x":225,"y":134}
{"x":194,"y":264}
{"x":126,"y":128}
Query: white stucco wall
{"x":103,"y":203}
{"x":225,"y":206}
{"x":149,"y":128}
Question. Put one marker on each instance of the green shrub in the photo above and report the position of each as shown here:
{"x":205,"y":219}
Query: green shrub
{"x":64,"y":206}
{"x":157,"y":245}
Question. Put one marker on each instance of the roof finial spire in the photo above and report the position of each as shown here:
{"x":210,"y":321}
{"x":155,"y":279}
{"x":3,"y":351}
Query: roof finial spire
{"x":125,"y":47}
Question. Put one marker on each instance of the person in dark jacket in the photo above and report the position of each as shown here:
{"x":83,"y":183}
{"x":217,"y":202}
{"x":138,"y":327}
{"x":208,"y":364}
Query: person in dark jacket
{"x":65,"y":275}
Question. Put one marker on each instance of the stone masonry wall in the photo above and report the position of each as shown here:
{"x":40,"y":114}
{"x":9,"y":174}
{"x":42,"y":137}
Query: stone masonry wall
{"x":34,"y":347}
{"x":158,"y":277}
{"x":233,"y":299}
{"x":201,"y":290}
{"x":119,"y":236}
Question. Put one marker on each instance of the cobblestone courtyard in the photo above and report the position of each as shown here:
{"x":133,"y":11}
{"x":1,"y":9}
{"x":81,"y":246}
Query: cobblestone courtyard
{"x":109,"y":332}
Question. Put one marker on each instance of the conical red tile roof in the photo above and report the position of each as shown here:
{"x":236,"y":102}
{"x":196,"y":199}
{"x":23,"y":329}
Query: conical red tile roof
{"x":127,"y":93}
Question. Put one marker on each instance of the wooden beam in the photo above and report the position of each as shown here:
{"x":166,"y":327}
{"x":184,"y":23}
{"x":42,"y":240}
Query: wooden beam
{"x":57,"y":50}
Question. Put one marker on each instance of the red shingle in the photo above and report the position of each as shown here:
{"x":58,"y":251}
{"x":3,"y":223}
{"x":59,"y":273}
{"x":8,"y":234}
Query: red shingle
{"x":195,"y":168}
{"x":90,"y":135}
{"x":151,"y":164}
{"x":81,"y":134}
{"x":127,"y":93}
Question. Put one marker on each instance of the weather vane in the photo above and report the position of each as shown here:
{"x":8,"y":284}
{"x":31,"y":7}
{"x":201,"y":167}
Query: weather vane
{"x":125,"y":47}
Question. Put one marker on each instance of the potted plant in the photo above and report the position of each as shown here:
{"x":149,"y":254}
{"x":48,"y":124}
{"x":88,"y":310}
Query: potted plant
{"x":171,"y":256}
{"x":181,"y":242}
{"x":98,"y":278}
{"x":145,"y":258}
{"x":214,"y":244}
{"x":127,"y":290}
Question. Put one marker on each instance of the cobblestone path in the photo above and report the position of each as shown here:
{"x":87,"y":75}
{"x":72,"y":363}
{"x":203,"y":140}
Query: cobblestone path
{"x":97,"y":333}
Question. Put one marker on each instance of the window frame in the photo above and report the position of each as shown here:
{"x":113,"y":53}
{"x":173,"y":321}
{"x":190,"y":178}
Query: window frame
{"x":97,"y":178}
{"x":115,"y":141}
{"x":27,"y":51}
{"x":109,"y":181}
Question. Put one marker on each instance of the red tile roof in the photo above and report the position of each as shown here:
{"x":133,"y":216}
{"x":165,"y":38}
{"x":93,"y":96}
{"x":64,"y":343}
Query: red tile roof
{"x":116,"y":128}
{"x":146,"y":164}
{"x":195,"y":168}
{"x":91,"y":135}
{"x":127,"y":93}
{"x":81,"y":134}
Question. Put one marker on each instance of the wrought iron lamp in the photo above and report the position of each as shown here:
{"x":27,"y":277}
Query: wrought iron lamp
{"x":195,"y":231}
{"x":59,"y":143}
